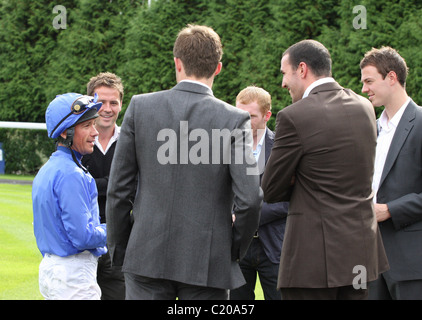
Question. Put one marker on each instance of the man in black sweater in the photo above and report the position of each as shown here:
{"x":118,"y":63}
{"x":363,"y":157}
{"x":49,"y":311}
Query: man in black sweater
{"x":109,"y":88}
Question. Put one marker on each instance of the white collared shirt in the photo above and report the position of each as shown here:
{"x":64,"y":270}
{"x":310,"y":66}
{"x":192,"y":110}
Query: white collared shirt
{"x":112,"y":139}
{"x":197,"y":82}
{"x":257,"y":151}
{"x":316,"y":84}
{"x":386,"y":131}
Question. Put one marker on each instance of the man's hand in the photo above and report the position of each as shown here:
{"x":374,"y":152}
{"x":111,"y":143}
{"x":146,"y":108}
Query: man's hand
{"x":381,"y":212}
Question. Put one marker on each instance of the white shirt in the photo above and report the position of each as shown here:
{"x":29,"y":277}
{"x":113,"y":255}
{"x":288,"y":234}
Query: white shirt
{"x":316,"y":84}
{"x":112,"y":139}
{"x":257,"y":151}
{"x":387,"y":129}
{"x":197,"y":82}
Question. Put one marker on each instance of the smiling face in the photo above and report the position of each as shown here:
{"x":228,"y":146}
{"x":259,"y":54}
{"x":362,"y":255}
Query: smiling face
{"x":111,"y":107}
{"x":84,"y":137}
{"x":377,"y":88}
{"x":291,"y":80}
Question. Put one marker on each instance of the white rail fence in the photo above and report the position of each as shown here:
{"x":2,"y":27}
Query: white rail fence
{"x":23,"y":125}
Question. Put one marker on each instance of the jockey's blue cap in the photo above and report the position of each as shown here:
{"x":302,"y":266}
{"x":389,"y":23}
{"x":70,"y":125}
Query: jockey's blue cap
{"x":69,"y":109}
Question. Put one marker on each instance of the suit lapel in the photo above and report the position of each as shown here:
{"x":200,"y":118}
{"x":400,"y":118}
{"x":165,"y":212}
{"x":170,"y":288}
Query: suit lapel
{"x":403,"y":129}
{"x":269,"y":141}
{"x":265,"y":151}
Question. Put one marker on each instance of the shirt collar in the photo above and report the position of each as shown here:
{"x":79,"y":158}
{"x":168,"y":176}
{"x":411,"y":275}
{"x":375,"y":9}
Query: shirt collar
{"x":197,"y":82}
{"x":69,"y":152}
{"x":257,"y":151}
{"x":387,"y":124}
{"x":316,"y":84}
{"x":113,"y":138}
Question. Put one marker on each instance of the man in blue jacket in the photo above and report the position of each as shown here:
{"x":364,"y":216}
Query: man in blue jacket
{"x":263,"y":255}
{"x":64,"y":195}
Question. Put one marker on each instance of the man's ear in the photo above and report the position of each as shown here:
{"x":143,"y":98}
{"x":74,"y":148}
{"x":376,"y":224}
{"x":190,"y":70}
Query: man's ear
{"x":303,"y":69}
{"x":178,"y":64}
{"x":64,"y":134}
{"x":267,"y":115}
{"x":392,"y":76}
{"x":218,"y":69}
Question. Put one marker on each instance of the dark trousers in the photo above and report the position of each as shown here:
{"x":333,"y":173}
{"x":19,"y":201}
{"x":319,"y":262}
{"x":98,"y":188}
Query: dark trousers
{"x":110,"y":280}
{"x":143,"y":288}
{"x":256,"y":262}
{"x":339,"y":293}
{"x":386,"y":288}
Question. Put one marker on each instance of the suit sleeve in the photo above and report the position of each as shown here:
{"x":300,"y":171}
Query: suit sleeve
{"x":247,"y":192}
{"x":122,"y":186}
{"x":406,"y":210}
{"x":281,"y":166}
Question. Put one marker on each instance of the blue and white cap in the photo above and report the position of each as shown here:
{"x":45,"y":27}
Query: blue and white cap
{"x":66,"y":110}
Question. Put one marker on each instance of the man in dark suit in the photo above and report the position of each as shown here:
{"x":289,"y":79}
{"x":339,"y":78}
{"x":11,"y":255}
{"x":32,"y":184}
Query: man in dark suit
{"x":109,"y":89}
{"x":263,"y":256}
{"x":184,"y":150}
{"x":322,"y":161}
{"x":398,"y":174}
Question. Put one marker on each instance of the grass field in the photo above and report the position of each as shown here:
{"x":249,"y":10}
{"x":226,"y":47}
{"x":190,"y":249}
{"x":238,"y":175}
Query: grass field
{"x":19,"y":255}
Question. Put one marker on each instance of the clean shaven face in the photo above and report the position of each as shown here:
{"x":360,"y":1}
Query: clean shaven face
{"x":110,"y":97}
{"x":375,"y":86}
{"x":291,"y":80}
{"x":84,"y":137}
{"x":258,"y":120}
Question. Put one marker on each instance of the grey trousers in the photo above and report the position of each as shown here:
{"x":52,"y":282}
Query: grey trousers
{"x":143,"y":288}
{"x":386,"y":288}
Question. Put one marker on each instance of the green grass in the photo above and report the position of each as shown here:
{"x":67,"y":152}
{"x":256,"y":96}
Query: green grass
{"x":19,"y":255}
{"x":16,"y":177}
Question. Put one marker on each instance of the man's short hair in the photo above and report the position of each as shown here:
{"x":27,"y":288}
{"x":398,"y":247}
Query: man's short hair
{"x":251,"y":94}
{"x":386,"y":60}
{"x":200,"y":49}
{"x":314,"y":54}
{"x":105,"y":79}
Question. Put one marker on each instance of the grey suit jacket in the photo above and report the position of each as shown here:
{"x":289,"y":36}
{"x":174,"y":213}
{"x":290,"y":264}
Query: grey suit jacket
{"x":401,"y":189}
{"x":189,"y":177}
{"x":327,"y":141}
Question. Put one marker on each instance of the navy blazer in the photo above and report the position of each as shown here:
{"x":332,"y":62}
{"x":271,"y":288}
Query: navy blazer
{"x":273,"y":215}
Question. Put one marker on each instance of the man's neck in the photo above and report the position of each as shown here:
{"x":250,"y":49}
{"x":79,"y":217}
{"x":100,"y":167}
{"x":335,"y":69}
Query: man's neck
{"x":395,"y":103}
{"x":104,"y":135}
{"x":257,"y":138}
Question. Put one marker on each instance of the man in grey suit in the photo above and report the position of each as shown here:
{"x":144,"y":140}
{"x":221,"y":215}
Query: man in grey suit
{"x":322,"y":161}
{"x":398,"y":174}
{"x":184,"y":148}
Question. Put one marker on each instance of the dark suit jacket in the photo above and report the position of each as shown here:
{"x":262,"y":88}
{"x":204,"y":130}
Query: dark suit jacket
{"x":182,"y":227}
{"x":273,"y":215}
{"x":327,"y":142}
{"x":401,"y":189}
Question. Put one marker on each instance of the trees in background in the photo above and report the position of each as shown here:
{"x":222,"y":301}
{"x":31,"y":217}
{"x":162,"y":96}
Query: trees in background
{"x":135,"y":41}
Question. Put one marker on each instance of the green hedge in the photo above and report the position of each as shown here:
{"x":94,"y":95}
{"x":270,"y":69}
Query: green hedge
{"x":25,"y":151}
{"x":38,"y":61}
